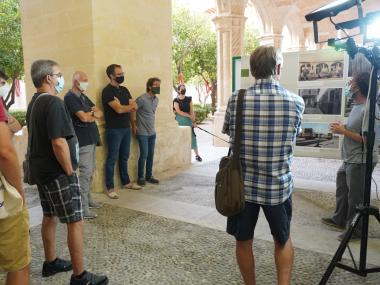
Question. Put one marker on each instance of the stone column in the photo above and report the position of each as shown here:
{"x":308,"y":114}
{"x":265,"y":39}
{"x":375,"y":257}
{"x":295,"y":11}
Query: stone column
{"x":271,"y":40}
{"x":230,"y":25}
{"x":89,"y":35}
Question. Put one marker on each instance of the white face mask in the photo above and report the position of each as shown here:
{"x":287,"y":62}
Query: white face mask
{"x":83,"y":86}
{"x":4,"y":90}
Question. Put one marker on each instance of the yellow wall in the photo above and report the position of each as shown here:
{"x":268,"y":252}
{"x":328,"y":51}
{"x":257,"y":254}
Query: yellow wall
{"x":89,"y":35}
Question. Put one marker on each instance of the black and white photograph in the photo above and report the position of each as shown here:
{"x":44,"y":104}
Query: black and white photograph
{"x":309,"y":71}
{"x":321,"y":66}
{"x":317,"y":135}
{"x":322,"y":101}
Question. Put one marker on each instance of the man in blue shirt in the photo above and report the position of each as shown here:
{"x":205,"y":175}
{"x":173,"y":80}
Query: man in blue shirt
{"x":271,"y":119}
{"x":84,"y":114}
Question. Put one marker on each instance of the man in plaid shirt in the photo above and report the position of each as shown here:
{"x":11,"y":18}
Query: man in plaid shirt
{"x":271,"y":119}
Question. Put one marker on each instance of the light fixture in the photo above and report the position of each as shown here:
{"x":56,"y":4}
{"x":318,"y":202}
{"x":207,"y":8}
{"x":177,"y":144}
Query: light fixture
{"x":331,"y":10}
{"x":373,"y":27}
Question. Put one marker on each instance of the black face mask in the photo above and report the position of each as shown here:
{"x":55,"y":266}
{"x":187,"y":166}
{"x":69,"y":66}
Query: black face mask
{"x":183,"y":91}
{"x":119,"y":79}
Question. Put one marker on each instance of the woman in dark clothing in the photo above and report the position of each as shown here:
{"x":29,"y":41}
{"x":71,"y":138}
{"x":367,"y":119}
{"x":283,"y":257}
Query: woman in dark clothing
{"x":184,"y":115}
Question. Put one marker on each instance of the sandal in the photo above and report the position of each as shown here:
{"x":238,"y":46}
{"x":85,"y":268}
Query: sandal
{"x":133,"y":186}
{"x":112,"y":195}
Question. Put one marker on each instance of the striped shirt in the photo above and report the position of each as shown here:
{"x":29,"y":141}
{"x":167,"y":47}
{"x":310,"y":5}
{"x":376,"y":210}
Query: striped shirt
{"x":271,"y":119}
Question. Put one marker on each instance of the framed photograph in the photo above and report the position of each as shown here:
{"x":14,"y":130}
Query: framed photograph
{"x":325,"y":65}
{"x":327,"y":101}
{"x":317,"y":135}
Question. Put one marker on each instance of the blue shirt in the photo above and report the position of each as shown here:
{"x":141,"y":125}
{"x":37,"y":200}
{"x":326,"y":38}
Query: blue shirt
{"x":271,"y":119}
{"x":87,"y":133}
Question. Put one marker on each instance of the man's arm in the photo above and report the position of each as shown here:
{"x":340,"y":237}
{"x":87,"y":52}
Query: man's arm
{"x":9,"y":165}
{"x":86,"y":117}
{"x":226,"y":124}
{"x":62,"y":153}
{"x":120,"y":109}
{"x":339,"y":128}
{"x":97,"y":113}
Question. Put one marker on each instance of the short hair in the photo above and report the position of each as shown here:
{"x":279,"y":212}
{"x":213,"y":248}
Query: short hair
{"x":3,"y":75}
{"x":263,"y":61}
{"x":40,"y":69}
{"x":361,"y":80}
{"x":150,"y":82}
{"x":111,"y":69}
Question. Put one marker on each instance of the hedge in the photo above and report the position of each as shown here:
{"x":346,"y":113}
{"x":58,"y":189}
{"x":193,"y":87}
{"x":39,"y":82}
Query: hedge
{"x":202,"y":112}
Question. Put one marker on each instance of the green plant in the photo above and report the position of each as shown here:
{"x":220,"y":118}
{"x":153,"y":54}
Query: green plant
{"x":20,"y":116}
{"x":201,"y":113}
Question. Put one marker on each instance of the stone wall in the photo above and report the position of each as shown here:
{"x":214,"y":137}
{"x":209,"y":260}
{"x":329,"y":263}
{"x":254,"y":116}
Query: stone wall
{"x":89,"y":35}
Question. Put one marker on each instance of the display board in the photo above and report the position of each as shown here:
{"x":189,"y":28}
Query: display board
{"x":320,"y":78}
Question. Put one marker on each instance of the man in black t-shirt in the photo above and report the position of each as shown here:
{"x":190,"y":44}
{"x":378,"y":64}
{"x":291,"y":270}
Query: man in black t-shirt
{"x":84,"y":113}
{"x":117,"y":104}
{"x":53,"y":160}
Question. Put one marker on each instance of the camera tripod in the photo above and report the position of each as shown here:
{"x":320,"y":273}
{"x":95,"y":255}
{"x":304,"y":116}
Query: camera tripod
{"x":362,"y":211}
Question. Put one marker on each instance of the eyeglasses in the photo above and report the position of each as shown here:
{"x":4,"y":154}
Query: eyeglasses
{"x":59,"y":75}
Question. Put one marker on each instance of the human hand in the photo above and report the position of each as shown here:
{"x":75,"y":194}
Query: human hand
{"x":116,"y":100}
{"x":133,"y":104}
{"x":94,"y":108}
{"x":135,"y":130}
{"x":337,"y":128}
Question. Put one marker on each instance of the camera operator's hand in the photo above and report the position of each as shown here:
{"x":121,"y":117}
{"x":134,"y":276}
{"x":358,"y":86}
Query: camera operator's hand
{"x":337,"y":128}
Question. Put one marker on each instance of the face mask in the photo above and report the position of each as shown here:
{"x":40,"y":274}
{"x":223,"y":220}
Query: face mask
{"x":348,"y":93}
{"x":60,"y":84}
{"x":155,"y":90}
{"x":83,"y":86}
{"x":183,"y":91}
{"x":4,"y":90}
{"x":119,"y":79}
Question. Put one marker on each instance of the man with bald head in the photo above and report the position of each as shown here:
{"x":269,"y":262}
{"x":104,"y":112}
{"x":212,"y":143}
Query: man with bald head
{"x":84,"y":114}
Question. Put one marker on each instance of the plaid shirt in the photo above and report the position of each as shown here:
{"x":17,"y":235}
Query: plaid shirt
{"x":271,"y":119}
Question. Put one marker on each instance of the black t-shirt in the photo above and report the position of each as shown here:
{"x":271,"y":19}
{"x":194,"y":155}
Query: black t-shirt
{"x":49,"y":120}
{"x":184,"y":104}
{"x":87,"y":133}
{"x":113,"y":119}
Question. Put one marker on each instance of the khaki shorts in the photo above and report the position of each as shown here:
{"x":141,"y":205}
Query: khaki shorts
{"x":14,"y":242}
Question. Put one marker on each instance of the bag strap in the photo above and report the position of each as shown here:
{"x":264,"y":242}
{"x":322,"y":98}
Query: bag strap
{"x":30,"y":129}
{"x":238,"y":124}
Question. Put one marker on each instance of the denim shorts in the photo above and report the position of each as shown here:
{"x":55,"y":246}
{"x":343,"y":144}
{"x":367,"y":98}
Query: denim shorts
{"x":242,"y":225}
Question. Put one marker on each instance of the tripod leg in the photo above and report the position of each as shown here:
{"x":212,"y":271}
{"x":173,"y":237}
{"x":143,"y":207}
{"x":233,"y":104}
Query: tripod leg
{"x":377,"y":216}
{"x":342,"y":247}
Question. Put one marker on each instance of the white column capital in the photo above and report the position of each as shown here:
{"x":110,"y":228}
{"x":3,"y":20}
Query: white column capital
{"x":271,"y":39}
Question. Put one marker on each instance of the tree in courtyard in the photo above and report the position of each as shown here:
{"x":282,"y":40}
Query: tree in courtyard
{"x":11,"y":54}
{"x":194,"y":52}
{"x":251,"y":41}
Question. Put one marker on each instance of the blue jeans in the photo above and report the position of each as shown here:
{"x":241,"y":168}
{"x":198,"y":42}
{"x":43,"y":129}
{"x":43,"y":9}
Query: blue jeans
{"x":118,"y":143}
{"x":146,"y":144}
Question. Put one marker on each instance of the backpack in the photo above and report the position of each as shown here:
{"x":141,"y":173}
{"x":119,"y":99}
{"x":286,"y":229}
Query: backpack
{"x":229,"y":184}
